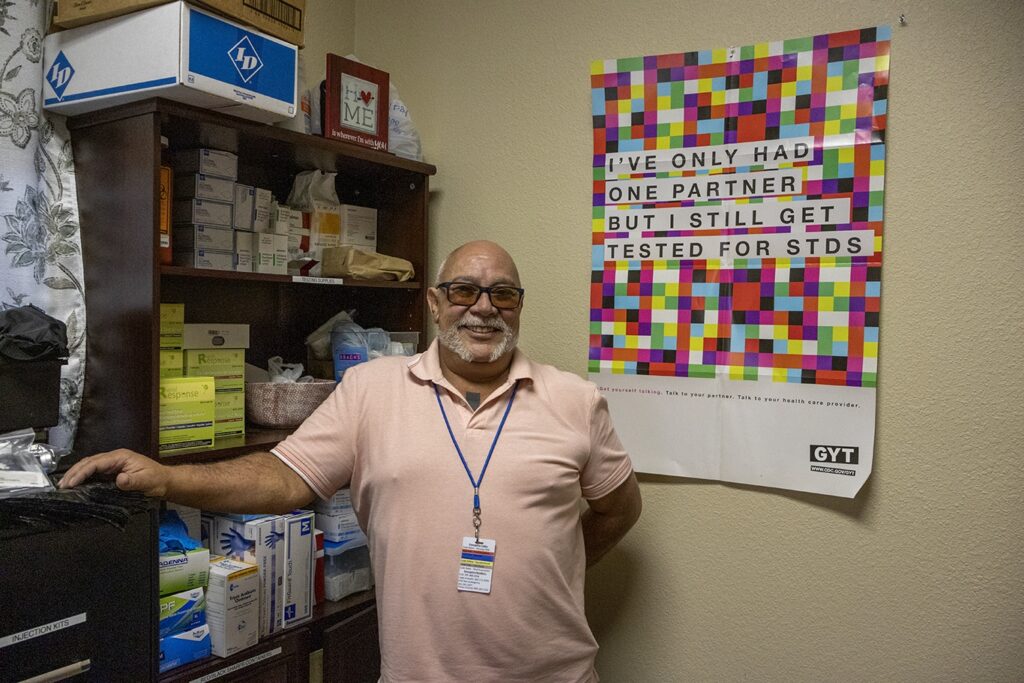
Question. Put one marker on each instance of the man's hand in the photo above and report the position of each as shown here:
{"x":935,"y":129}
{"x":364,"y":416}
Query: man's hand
{"x":134,"y":472}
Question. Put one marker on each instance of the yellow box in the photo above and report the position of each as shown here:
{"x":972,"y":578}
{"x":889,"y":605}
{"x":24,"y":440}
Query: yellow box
{"x":172,"y":364}
{"x":187,"y":409}
{"x":226,"y":365}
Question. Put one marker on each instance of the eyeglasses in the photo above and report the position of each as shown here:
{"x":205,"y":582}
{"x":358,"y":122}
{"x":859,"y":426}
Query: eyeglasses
{"x":467,"y":294}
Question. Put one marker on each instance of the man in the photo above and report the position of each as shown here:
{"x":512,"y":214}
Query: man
{"x":466,"y":465}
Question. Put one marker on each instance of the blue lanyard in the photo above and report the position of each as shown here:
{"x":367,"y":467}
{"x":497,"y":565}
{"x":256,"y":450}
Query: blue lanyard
{"x":478,"y":481}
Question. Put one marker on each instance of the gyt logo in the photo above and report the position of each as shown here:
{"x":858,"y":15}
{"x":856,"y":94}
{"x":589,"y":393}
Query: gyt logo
{"x":843,"y":455}
{"x":247,"y":62}
{"x":59,"y":74}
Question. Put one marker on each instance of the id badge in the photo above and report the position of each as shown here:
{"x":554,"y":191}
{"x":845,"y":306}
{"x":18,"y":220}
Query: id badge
{"x":476,"y":565}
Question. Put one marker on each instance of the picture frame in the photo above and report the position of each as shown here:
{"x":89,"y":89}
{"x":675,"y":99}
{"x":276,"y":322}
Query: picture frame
{"x":356,"y":103}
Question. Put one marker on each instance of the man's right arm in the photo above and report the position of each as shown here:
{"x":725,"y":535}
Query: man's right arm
{"x":253,"y":483}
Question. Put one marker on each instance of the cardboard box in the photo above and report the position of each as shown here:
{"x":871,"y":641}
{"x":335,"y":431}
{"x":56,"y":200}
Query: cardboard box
{"x":172,"y":324}
{"x":187,"y":411}
{"x":263,"y":205}
{"x":174,"y":51}
{"x":207,"y":259}
{"x":189,"y":515}
{"x":244,"y":198}
{"x":260,"y":542}
{"x":172,"y":364}
{"x":229,"y":414}
{"x":203,"y":212}
{"x":182,"y":611}
{"x":183,"y":648}
{"x":282,"y":19}
{"x":338,"y":504}
{"x":318,"y":572}
{"x":324,"y":226}
{"x":233,"y":606}
{"x":270,"y":253}
{"x":300,"y":553}
{"x":243,"y":250}
{"x":202,"y":186}
{"x":210,"y":237}
{"x":341,"y":528}
{"x":284,"y":219}
{"x":183,"y":571}
{"x":215,"y":336}
{"x":358,"y":226}
{"x":225,"y":365}
{"x":211,"y":162}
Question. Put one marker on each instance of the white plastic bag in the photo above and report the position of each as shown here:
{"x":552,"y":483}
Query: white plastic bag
{"x":310,"y":187}
{"x":403,"y":138}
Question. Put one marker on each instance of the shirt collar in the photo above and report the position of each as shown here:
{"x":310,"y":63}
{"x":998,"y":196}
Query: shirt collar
{"x":427,"y":366}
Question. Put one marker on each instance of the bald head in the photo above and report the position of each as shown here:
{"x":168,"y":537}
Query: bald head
{"x":479,"y":251}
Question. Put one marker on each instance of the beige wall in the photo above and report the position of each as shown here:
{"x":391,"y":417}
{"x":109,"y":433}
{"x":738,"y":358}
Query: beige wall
{"x":920,"y":577}
{"x":330,"y":27}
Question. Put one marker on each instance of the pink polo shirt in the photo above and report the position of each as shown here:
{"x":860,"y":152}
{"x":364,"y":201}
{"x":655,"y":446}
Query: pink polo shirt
{"x":381,"y":432}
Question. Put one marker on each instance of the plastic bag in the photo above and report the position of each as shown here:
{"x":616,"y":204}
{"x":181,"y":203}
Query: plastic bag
{"x":281,"y":372}
{"x":403,"y":138}
{"x":28,"y":334}
{"x":310,"y":187}
{"x":319,"y":341}
{"x":20,"y":470}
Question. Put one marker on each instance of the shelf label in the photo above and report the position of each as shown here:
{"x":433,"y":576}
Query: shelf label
{"x":237,"y":665}
{"x":318,"y":280}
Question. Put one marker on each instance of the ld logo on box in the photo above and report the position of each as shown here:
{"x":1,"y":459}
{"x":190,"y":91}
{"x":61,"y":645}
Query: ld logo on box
{"x":844,"y":455}
{"x":245,"y":58}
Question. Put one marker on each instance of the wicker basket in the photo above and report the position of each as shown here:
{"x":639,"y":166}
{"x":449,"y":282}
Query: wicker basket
{"x":284,"y":405}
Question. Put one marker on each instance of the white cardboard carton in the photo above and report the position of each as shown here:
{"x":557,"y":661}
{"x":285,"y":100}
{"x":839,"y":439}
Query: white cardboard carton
{"x":233,"y":606}
{"x":174,"y":51}
{"x":300,"y":552}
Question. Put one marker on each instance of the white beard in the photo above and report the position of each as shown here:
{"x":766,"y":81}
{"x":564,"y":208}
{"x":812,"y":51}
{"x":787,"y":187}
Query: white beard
{"x":453,"y":342}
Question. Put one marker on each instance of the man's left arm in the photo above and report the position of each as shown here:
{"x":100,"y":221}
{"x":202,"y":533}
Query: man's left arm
{"x":609,"y":517}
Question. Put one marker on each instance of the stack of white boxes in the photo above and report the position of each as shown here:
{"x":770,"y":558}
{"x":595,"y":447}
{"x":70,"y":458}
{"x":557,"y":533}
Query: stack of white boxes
{"x":220,"y":223}
{"x":347,"y":561}
{"x":270,"y":249}
{"x":203,"y":213}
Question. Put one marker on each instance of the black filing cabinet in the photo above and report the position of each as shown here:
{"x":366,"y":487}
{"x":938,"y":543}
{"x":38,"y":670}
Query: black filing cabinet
{"x":80,"y":597}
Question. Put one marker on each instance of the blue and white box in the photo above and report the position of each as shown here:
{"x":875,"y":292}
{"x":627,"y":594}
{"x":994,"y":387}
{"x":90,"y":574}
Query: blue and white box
{"x":184,"y":648}
{"x":260,"y":542}
{"x":182,"y":611}
{"x":174,"y":51}
{"x":300,"y":555}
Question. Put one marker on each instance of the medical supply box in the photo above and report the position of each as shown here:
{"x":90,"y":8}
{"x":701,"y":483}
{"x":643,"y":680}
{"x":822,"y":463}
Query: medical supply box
{"x":174,"y":51}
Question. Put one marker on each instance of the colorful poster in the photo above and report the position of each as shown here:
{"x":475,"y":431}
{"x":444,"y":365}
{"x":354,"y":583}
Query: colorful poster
{"x":736,"y":258}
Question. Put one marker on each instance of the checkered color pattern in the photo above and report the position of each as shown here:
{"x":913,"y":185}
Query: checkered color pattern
{"x":805,"y":320}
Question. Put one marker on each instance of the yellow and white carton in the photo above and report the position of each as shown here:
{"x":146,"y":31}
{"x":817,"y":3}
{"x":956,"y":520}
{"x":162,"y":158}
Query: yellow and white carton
{"x":187,"y":410}
{"x":227,"y":366}
{"x":172,"y":326}
{"x":229,"y":417}
{"x":233,"y":606}
{"x":171,"y":364}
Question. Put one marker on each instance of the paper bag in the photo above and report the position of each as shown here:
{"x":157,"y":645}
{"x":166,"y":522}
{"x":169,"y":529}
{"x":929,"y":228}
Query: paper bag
{"x":365,"y":265}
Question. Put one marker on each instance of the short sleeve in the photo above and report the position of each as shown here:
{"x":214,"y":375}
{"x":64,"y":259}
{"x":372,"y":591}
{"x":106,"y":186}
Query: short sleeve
{"x":609,"y":464}
{"x":323,"y":449}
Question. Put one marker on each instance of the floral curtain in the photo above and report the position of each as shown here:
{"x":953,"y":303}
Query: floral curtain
{"x":42,"y":263}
